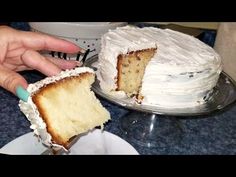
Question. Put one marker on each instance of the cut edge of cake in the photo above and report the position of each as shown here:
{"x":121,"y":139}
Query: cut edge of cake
{"x":130,"y":71}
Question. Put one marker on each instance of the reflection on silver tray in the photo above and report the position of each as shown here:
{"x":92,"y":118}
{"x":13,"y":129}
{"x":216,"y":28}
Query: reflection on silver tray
{"x":224,"y":94}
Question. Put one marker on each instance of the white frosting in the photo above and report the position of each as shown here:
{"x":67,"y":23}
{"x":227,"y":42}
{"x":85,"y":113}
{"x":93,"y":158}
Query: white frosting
{"x":31,"y":111}
{"x":180,"y":74}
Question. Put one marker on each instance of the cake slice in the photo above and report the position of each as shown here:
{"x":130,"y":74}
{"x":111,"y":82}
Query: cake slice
{"x":131,"y":68}
{"x":64,"y":106}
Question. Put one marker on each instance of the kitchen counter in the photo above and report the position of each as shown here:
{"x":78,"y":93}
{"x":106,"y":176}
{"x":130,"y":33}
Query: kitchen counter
{"x":211,"y":134}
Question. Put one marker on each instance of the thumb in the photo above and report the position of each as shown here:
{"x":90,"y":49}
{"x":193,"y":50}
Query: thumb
{"x":10,"y":80}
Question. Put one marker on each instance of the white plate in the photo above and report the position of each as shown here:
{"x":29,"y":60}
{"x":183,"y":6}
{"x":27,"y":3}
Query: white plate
{"x":95,"y":142}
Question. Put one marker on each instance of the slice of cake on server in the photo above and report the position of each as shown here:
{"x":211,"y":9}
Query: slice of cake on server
{"x":63,"y":106}
{"x":157,"y":67}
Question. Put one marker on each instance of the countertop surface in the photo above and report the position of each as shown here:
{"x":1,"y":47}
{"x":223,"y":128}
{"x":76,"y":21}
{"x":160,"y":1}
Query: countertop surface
{"x":211,"y":134}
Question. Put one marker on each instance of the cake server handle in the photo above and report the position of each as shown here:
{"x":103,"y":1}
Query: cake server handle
{"x":22,"y":93}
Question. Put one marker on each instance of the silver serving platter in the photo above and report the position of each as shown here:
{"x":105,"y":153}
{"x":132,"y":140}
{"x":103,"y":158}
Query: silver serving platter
{"x":224,"y":94}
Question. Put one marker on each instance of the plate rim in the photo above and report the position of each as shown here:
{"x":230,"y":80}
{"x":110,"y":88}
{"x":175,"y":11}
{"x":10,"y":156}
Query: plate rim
{"x":4,"y":150}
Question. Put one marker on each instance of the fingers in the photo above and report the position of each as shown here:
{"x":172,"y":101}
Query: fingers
{"x":16,"y":67}
{"x":64,"y":64}
{"x":10,"y":80}
{"x":36,"y":61}
{"x":3,"y":52}
{"x":49,"y":66}
{"x":38,"y":41}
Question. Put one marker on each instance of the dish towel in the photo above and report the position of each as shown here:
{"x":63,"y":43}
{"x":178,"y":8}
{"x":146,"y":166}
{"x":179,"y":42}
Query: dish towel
{"x":225,"y":45}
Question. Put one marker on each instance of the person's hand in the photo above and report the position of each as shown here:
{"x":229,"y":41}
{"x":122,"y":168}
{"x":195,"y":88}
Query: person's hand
{"x":19,"y":51}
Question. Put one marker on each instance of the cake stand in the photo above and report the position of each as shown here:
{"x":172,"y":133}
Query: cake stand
{"x":147,"y":125}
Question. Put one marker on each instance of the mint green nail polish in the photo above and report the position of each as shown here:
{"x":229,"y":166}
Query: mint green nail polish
{"x":22,"y":93}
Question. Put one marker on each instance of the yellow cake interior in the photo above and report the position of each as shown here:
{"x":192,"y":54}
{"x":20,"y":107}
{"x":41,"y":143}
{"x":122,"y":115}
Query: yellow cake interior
{"x":70,"y":108}
{"x":131,"y":68}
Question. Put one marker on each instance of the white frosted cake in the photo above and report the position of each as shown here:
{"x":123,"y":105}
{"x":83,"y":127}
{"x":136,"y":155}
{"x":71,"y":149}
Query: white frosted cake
{"x":157,"y":67}
{"x":63,"y":106}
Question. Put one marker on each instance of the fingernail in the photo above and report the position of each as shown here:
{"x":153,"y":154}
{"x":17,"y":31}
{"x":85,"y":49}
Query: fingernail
{"x":78,"y":63}
{"x":22,"y":93}
{"x":82,"y":50}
